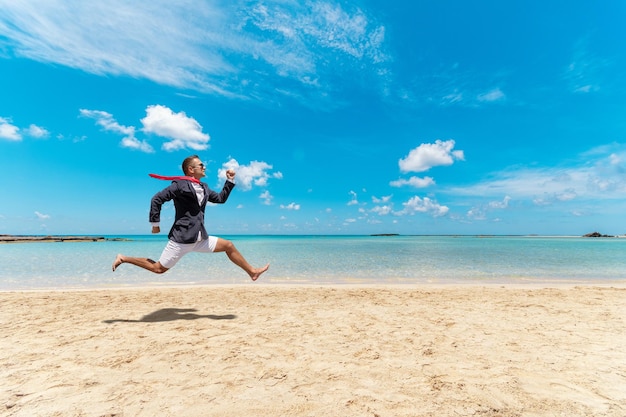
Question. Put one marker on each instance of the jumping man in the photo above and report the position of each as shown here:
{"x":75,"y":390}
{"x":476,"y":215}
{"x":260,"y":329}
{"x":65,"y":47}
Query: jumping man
{"x":188,"y":233}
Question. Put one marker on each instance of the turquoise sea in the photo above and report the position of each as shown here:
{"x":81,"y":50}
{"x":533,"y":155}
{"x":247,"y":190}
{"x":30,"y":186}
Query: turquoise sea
{"x":324,"y":260}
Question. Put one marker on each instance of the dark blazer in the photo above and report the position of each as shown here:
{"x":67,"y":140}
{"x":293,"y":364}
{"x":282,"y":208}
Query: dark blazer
{"x":189,"y":219}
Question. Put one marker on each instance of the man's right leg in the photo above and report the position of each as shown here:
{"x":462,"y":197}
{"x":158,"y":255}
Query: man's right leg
{"x":144,"y":263}
{"x":170,"y":256}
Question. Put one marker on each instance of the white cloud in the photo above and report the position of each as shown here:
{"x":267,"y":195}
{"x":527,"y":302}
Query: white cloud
{"x":585,"y":71}
{"x":382,"y":210}
{"x":425,"y":205}
{"x":227,"y":48}
{"x":566,"y":195}
{"x":108,"y":123}
{"x":266,"y":197}
{"x":42,"y":216}
{"x":415,"y":182}
{"x":452,"y":98}
{"x":354,"y":199}
{"x":493,"y":95}
{"x":381,"y":200}
{"x":254,"y":174}
{"x":334,"y":28}
{"x":598,"y":175}
{"x":477,"y":213}
{"x":429,"y":155}
{"x":615,"y":159}
{"x":9,"y":131}
{"x":183,"y":131}
{"x":500,"y":204}
{"x":584,"y":89}
{"x":480,"y":213}
{"x":134,"y":143}
{"x":37,"y":132}
{"x":290,"y":206}
{"x":456,"y":85}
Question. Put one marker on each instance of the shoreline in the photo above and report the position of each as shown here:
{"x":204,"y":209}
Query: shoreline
{"x":539,"y":285}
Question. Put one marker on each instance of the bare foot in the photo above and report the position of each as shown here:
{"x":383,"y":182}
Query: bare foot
{"x":258,"y":271}
{"x":118,"y":261}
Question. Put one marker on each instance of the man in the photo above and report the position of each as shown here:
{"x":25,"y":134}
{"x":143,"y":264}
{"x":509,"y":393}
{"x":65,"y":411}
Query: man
{"x":188,"y":233}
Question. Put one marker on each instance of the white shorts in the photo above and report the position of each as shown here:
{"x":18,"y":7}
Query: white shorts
{"x":174,"y":251}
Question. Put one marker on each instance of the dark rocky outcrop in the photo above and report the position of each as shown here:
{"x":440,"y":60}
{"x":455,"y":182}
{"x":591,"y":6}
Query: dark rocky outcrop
{"x":61,"y":238}
{"x":596,"y":234}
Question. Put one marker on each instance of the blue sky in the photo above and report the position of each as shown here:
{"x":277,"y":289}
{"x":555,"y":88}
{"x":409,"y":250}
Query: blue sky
{"x":411,"y":117}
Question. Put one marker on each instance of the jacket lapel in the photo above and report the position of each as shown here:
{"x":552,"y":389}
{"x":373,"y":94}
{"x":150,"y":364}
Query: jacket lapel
{"x":206,"y":194}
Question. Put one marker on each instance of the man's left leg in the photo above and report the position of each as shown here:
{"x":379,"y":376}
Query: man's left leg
{"x":237,"y":258}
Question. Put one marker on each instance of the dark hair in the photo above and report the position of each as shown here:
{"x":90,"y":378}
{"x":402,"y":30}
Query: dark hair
{"x":188,"y":162}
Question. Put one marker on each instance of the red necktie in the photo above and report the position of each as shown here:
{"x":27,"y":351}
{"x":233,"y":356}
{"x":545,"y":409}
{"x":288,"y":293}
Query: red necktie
{"x":176,"y":177}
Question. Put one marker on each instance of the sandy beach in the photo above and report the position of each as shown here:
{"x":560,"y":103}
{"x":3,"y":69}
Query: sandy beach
{"x":254,"y":350}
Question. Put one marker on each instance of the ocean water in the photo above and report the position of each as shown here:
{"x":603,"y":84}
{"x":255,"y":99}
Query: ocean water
{"x":323,"y":260}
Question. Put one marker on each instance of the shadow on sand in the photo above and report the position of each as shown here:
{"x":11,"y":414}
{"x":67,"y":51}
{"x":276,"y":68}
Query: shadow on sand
{"x":171,"y":314}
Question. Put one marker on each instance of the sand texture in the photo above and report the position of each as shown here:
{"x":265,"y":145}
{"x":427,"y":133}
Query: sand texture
{"x":255,"y":350}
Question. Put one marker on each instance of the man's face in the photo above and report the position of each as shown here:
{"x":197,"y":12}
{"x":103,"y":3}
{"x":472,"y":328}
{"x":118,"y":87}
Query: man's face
{"x":197,"y":168}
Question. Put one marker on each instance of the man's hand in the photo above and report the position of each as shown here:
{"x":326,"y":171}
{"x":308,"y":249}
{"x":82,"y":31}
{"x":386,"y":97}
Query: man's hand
{"x":156,"y":229}
{"x":230,"y":174}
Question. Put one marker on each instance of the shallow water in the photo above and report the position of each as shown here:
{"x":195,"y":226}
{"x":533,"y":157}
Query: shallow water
{"x":323,"y":260}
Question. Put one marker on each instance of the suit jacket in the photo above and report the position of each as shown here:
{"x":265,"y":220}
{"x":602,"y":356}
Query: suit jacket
{"x":189,"y":218}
